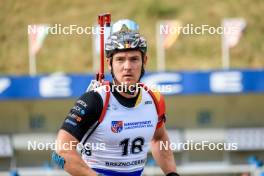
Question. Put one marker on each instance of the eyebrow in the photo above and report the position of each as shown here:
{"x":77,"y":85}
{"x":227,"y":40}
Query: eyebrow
{"x":134,"y":57}
{"x":119,"y":57}
{"x":122,"y":57}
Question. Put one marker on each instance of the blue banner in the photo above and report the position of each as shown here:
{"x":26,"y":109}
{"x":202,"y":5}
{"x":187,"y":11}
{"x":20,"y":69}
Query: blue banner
{"x":169,"y":83}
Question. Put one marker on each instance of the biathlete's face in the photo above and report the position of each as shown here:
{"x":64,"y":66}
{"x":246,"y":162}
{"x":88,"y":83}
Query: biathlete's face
{"x":127,"y":66}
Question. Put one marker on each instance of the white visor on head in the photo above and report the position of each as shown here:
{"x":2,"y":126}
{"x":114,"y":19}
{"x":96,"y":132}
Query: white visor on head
{"x":131,"y":25}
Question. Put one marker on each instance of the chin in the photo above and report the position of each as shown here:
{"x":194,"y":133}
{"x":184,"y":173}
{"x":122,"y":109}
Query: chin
{"x":129,"y":82}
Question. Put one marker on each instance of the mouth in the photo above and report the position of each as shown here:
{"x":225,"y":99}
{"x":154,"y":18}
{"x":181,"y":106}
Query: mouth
{"x":128,"y":76}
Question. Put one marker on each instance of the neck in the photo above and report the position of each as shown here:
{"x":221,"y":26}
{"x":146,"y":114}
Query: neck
{"x":128,"y":95}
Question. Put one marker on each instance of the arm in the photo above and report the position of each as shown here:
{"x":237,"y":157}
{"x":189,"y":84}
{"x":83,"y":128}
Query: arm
{"x":164,"y":158}
{"x":73,"y":161}
{"x":85,"y":112}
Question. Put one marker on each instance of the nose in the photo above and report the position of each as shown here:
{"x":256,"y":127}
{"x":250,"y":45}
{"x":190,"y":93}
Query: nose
{"x":127,"y":64}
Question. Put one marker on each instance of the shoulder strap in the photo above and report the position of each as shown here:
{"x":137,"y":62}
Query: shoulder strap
{"x":159,"y":103}
{"x":152,"y":96}
{"x":107,"y":83}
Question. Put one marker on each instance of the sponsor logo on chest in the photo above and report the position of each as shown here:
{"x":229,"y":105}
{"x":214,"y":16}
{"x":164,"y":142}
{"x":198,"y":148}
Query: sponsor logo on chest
{"x":118,"y":126}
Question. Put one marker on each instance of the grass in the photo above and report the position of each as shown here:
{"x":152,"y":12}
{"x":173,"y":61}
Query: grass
{"x":73,"y":54}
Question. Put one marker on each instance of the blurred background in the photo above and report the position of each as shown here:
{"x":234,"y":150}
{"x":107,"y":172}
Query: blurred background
{"x":217,"y":80}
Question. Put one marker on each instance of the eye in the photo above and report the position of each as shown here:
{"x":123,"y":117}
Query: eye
{"x":134,"y":59}
{"x":119,"y":59}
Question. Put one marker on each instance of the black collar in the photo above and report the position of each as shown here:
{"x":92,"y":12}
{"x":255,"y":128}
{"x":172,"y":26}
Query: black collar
{"x":127,"y":102}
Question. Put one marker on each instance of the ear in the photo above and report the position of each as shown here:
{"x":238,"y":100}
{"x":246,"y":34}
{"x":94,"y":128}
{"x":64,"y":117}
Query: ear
{"x":108,"y":63}
{"x":145,"y":59}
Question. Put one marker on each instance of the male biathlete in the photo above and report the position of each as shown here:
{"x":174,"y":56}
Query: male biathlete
{"x":118,"y":122}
